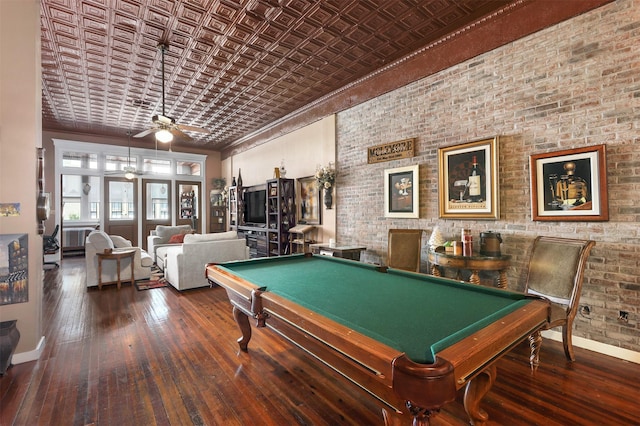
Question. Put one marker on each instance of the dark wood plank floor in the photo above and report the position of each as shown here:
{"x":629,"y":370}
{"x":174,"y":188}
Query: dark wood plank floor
{"x":159,"y":357}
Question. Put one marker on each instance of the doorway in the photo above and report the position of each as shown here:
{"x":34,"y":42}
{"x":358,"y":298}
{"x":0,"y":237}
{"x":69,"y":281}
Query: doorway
{"x":156,"y":196}
{"x":188,"y":196}
{"x":121,"y":199}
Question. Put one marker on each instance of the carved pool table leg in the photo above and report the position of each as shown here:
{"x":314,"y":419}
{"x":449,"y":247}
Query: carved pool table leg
{"x":243,"y":323}
{"x":475,"y":391}
{"x":420,"y":416}
{"x":535,"y":343}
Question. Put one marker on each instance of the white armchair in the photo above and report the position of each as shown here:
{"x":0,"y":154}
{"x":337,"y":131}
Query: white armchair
{"x":97,"y":242}
{"x":185,"y":264}
{"x":162,"y":236}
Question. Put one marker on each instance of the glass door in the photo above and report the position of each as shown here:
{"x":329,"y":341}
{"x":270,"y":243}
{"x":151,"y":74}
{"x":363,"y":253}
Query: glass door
{"x":156,"y":196}
{"x":188,"y":196}
{"x":120,"y":208}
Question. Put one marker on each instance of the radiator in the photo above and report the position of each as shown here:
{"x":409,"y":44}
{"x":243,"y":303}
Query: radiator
{"x":73,"y":238}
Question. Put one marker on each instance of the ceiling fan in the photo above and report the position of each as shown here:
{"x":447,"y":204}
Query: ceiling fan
{"x":129,"y":171}
{"x":165,"y":128}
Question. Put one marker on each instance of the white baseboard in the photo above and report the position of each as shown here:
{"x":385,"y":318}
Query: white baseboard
{"x":601,"y":348}
{"x":34,"y":355}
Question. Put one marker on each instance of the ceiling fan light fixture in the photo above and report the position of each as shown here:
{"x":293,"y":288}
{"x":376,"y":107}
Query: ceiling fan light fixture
{"x":164,"y":136}
{"x":129,"y":175}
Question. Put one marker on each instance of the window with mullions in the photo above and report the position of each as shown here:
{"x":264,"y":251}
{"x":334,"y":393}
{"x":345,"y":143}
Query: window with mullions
{"x":121,"y":200}
{"x":156,"y":166}
{"x":80,"y":160}
{"x":120,"y":210}
{"x":118,"y":162}
{"x":80,"y":198}
{"x":188,"y":168}
{"x":160,"y":208}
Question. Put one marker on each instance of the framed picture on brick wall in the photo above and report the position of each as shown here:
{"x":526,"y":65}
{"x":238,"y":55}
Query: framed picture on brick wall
{"x":401,"y":192}
{"x":468,"y":180}
{"x":570,"y":185}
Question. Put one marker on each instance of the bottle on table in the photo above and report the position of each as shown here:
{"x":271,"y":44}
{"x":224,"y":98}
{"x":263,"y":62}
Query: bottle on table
{"x":467,"y":242}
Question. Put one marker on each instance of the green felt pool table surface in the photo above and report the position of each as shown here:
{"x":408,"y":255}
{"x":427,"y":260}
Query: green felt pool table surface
{"x":411,"y":340}
{"x":392,"y":307}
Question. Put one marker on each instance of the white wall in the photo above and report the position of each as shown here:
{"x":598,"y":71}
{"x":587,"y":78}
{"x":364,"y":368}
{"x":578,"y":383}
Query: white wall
{"x":20,"y":135}
{"x":301,"y":150}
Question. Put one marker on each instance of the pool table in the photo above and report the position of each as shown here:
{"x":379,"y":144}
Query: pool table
{"x":408,"y":339}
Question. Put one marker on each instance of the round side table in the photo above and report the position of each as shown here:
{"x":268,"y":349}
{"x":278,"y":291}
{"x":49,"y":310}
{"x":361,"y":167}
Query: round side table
{"x":117,"y":256}
{"x":473,"y":263}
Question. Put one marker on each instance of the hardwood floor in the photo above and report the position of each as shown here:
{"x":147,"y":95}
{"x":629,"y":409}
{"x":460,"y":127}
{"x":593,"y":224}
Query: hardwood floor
{"x":159,"y":357}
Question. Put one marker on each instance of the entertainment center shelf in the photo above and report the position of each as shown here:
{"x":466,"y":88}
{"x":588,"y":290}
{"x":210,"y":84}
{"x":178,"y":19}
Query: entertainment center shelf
{"x":256,"y":240}
{"x":263,"y":215}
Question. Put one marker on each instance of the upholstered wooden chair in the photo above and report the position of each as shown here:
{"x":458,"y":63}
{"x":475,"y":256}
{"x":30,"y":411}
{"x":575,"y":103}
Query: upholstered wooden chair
{"x":556,"y":272}
{"x":403,"y":249}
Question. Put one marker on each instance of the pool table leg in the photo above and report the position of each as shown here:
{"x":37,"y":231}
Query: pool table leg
{"x":475,"y":391}
{"x":420,"y":417}
{"x":245,"y":327}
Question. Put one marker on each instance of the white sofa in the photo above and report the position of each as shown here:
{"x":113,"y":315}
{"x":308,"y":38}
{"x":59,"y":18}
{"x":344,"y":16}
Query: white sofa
{"x":97,"y":242}
{"x":185,"y":264}
{"x":161,"y":236}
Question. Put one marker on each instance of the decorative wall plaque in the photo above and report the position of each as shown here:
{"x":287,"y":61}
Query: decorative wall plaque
{"x":391,"y":151}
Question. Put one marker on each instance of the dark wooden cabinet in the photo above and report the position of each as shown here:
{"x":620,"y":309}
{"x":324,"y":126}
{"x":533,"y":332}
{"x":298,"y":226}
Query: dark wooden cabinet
{"x":281,"y":214}
{"x":218,"y":219}
{"x":256,"y":240}
{"x":271,"y":238}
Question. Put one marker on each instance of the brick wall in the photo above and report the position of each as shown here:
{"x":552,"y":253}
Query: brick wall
{"x":572,"y":85}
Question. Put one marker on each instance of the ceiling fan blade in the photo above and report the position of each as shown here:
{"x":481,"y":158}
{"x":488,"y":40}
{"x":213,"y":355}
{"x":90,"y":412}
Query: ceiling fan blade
{"x":180,"y":134}
{"x":144,"y":133}
{"x":192,"y":129}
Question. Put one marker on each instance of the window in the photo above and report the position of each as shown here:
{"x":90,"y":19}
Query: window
{"x":121,"y":202}
{"x":157,"y":200}
{"x":82,"y":166}
{"x":189,"y":168}
{"x":157,"y":167}
{"x":79,"y":160}
{"x":118,"y":162}
{"x":80,"y":198}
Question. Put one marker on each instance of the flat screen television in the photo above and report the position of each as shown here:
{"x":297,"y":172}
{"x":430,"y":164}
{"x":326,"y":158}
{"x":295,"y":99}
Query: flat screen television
{"x":255,"y":207}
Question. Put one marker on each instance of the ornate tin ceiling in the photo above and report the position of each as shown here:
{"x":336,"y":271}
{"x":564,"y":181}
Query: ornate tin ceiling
{"x":233,"y":66}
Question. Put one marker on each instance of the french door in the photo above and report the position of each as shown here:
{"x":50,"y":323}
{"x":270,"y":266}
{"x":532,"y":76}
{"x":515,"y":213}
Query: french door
{"x":188,"y":200}
{"x":121,"y":199}
{"x":156,"y":204}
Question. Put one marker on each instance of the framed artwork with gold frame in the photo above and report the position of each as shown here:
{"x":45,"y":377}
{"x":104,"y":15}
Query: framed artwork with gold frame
{"x":455,"y":166}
